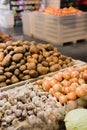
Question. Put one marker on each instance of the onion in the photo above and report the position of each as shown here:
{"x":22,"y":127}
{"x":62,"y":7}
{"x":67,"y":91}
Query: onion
{"x":71,"y":104}
{"x":66,"y":75}
{"x":46,"y":85}
{"x":74,"y":74}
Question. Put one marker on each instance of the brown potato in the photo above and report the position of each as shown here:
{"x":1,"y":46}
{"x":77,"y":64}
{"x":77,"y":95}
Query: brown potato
{"x":14,"y":79}
{"x":31,"y":66}
{"x":42,"y":70}
{"x":46,"y":54}
{"x":2,"y":78}
{"x":23,"y":67}
{"x":3,"y":45}
{"x":26,"y":77}
{"x":10,"y":48}
{"x":12,"y":67}
{"x":45,"y":63}
{"x":1,"y":72}
{"x":33,"y":73}
{"x":8,"y":81}
{"x":30,"y":60}
{"x":2,"y":84}
{"x":40,"y":58}
{"x":51,"y":63}
{"x":17,"y":57}
{"x":7,"y":60}
{"x":17,"y":72}
{"x":19,"y":49}
{"x":55,"y":67}
{"x":35,"y":56}
{"x":8,"y":74}
{"x":22,"y":62}
{"x":26,"y":72}
{"x":55,"y":59}
{"x":33,"y":49}
{"x":1,"y":56}
{"x":21,"y":76}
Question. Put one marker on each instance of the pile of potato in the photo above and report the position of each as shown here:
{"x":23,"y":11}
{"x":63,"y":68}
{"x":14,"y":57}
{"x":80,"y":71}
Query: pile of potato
{"x":22,"y":60}
{"x":29,"y":108}
{"x":5,"y":37}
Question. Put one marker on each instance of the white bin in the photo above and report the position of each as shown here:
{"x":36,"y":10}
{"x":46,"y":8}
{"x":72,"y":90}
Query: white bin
{"x":6,"y":19}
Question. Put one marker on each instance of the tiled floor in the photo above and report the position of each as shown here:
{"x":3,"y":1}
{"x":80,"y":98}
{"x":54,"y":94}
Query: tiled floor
{"x":77,"y":51}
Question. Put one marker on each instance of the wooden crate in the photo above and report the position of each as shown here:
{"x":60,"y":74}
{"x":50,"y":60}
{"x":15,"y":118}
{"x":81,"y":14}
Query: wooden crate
{"x":38,"y":25}
{"x":27,"y":23}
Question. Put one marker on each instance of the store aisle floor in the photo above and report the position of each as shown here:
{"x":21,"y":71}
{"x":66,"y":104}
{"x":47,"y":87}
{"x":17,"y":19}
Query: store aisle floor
{"x":77,"y":51}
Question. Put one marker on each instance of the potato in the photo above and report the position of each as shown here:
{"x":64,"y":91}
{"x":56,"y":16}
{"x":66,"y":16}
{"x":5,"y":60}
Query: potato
{"x":40,"y":58}
{"x":31,"y":66}
{"x":33,"y":73}
{"x":1,"y":68}
{"x":16,"y":43}
{"x":17,"y":72}
{"x":22,"y":62}
{"x":56,"y":54}
{"x":1,"y":72}
{"x":8,"y":43}
{"x":12,"y":67}
{"x":11,"y":53}
{"x":3,"y":45}
{"x":55,"y":67}
{"x":70,"y":64}
{"x":19,"y":50}
{"x":8,"y":74}
{"x":13,"y":63}
{"x":26,"y":72}
{"x":49,"y":47}
{"x":2,"y":84}
{"x":1,"y":56}
{"x":42,"y":70}
{"x":17,"y":57}
{"x":14,"y":79}
{"x":55,"y":59}
{"x":26,"y":77}
{"x":60,"y":62}
{"x":51,"y":63}
{"x":64,"y":66}
{"x":35,"y":56}
{"x":23,"y":67}
{"x":6,"y":52}
{"x":45,"y":63}
{"x":27,"y":53}
{"x":33,"y":49}
{"x":18,"y":65}
{"x":7,"y":60}
{"x":8,"y":81}
{"x":46,"y":54}
{"x":10,"y":48}
{"x":2,"y":78}
{"x":21,"y":76}
{"x":49,"y":59}
{"x":30,"y":60}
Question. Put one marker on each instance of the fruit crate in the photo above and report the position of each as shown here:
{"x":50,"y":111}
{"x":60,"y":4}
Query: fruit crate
{"x":27,"y":23}
{"x":39,"y":28}
{"x":59,"y":29}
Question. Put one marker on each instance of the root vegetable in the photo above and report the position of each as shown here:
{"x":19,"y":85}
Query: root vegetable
{"x":7,"y":60}
{"x":17,"y":57}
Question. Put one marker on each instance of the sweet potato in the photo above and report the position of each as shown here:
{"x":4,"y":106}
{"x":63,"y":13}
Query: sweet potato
{"x":7,"y":60}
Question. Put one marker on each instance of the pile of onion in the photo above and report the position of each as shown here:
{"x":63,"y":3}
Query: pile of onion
{"x":67,"y":85}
